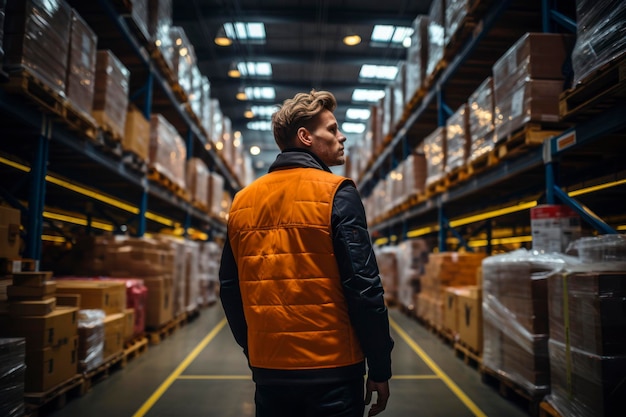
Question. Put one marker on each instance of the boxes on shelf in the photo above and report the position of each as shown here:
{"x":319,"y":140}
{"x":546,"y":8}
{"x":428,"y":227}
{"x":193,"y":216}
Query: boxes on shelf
{"x":183,"y":58}
{"x":36,"y":39}
{"x":417,"y":56}
{"x":457,"y":139}
{"x":10,"y":223}
{"x":481,"y":120}
{"x":435,"y":152}
{"x":415,"y":173}
{"x":160,"y":305}
{"x":470,"y":318}
{"x":159,"y":24}
{"x":111,"y":94}
{"x":12,"y":372}
{"x":527,"y":81}
{"x":167,"y":150}
{"x":81,"y":67}
{"x":554,"y":227}
{"x":216,"y":189}
{"x":139,"y":16}
{"x":198,"y":181}
{"x":114,"y":334}
{"x":46,"y":368}
{"x":455,"y":14}
{"x":40,"y":332}
{"x":137,"y":134}
{"x":109,"y":296}
{"x":436,"y":37}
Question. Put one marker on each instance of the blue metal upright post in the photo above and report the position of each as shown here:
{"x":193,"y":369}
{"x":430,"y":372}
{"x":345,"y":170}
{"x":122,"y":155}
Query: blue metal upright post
{"x":143,"y":208}
{"x":442,"y":230}
{"x":37,"y":192}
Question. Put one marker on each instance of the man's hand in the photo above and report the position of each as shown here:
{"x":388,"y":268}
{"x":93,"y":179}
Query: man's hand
{"x":382,"y":391}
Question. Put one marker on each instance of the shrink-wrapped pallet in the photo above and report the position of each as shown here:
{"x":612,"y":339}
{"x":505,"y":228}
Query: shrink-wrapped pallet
{"x":515,"y":315}
{"x":90,"y":339}
{"x":159,"y":24}
{"x":111,"y":93}
{"x":167,"y":151}
{"x":457,"y":139}
{"x":81,"y":71}
{"x":417,"y":56}
{"x":436,"y":36}
{"x":217,"y":122}
{"x":415,"y":173}
{"x":216,"y":189}
{"x":456,"y":12}
{"x":139,"y":16}
{"x":587,"y":310}
{"x":599,"y":35}
{"x":435,"y":151}
{"x":206,"y":117}
{"x":198,"y":181}
{"x":183,"y":58}
{"x":481,"y":120}
{"x":528,"y":80}
{"x":36,"y":39}
{"x":12,"y":371}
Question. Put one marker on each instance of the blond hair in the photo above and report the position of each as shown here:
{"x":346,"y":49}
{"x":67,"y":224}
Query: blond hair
{"x":298,"y":112}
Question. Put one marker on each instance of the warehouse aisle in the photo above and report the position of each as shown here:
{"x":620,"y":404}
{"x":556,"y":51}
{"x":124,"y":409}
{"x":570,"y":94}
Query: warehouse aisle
{"x":200,"y":371}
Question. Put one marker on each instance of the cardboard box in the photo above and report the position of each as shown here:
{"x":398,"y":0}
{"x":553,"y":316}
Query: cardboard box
{"x":9,"y":232}
{"x":46,"y":368}
{"x":109,"y":296}
{"x":554,"y":227}
{"x":159,"y":307}
{"x":31,"y":278}
{"x":129,"y":324}
{"x":32,"y":308}
{"x":113,"y":334}
{"x":137,"y":134}
{"x":32,"y":293}
{"x":470,"y":314}
{"x":450,"y":310}
{"x":51,"y":330}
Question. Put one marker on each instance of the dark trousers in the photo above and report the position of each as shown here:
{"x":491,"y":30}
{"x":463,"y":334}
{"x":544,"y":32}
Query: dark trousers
{"x":344,"y":399}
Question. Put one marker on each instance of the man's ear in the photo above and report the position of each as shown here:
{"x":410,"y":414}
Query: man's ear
{"x":304,"y":137}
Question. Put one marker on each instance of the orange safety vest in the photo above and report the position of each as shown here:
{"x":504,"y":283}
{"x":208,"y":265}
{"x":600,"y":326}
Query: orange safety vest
{"x":280,"y":232}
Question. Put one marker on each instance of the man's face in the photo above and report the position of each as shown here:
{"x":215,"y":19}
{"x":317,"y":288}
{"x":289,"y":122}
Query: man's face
{"x":326,"y":139}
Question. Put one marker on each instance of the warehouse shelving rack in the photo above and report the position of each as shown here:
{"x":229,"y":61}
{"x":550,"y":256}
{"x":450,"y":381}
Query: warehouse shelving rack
{"x":53,"y":168}
{"x":515,"y":183}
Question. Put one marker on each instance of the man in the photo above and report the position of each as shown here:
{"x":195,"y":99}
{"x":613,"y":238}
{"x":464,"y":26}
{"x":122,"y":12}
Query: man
{"x":299,"y":280}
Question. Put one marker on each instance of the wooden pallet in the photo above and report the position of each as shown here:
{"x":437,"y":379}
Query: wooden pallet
{"x":79,"y":121}
{"x":601,"y":90}
{"x":512,"y":390}
{"x":457,"y":175}
{"x":166,"y":182}
{"x":467,"y":354}
{"x":436,"y":187}
{"x":531,"y":135}
{"x":135,"y":348}
{"x":39,"y":403}
{"x":481,"y":163}
{"x":102,"y":371}
{"x":134,"y":161}
{"x":156,"y":336}
{"x":431,"y":78}
{"x":25,"y":83}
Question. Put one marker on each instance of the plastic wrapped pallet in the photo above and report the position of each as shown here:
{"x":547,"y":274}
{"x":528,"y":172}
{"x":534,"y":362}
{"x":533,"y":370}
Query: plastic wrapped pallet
{"x":192,"y":275}
{"x":417,"y":56}
{"x":457,"y":139}
{"x":599,"y":35}
{"x":139,"y":15}
{"x":387,"y":259}
{"x":12,"y":371}
{"x":217,"y":122}
{"x":36,"y":38}
{"x":588,"y":330}
{"x":111,"y":93}
{"x":195,"y":93}
{"x":159,"y":24}
{"x":205,"y":118}
{"x":198,"y":181}
{"x":183,"y":58}
{"x":81,"y":72}
{"x":2,"y":7}
{"x":515,"y":314}
{"x":399,"y":101}
{"x":90,"y":339}
{"x":481,"y":120}
{"x":436,"y":36}
{"x":456,"y":12}
{"x":415,"y":173}
{"x":527,"y":81}
{"x":216,"y":188}
{"x":435,"y":151}
{"x":167,"y":150}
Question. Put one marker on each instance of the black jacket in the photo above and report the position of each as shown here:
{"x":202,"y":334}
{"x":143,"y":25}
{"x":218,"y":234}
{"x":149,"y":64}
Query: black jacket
{"x":360,"y":280}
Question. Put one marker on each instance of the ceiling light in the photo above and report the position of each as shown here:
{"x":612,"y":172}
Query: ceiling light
{"x":262,"y":125}
{"x":221,"y":39}
{"x":362,"y":94}
{"x":352,"y":40}
{"x":255,"y":150}
{"x":353,"y":127}
{"x":260,"y":93}
{"x":264,"y":111}
{"x":255,"y":69}
{"x":241,"y":94}
{"x":246,"y":32}
{"x":379,"y":72}
{"x":248,"y":114}
{"x":385,"y":35}
{"x":233,"y":71}
{"x":358,"y":114}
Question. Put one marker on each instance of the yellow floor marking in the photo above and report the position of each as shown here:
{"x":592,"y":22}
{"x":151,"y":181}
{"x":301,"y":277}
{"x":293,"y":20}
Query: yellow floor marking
{"x":415,"y":377}
{"x":179,"y":370}
{"x":438,"y":372}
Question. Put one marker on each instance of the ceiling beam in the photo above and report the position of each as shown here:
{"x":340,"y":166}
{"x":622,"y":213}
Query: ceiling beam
{"x":230,"y":84}
{"x":389,"y":56}
{"x":185,"y":13}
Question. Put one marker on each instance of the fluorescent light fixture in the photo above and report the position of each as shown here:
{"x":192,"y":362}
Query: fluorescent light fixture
{"x":349,"y":127}
{"x":358,"y":114}
{"x":384,"y":35}
{"x":255,"y":69}
{"x":245,"y":32}
{"x":260,"y":93}
{"x":362,"y":94}
{"x":264,"y":111}
{"x":262,"y":125}
{"x":378,"y":72}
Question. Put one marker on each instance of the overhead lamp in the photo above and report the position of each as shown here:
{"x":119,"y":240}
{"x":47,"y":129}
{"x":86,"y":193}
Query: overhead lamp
{"x":221,"y":39}
{"x":241,"y":94}
{"x":248,"y":114}
{"x":352,"y":39}
{"x":233,"y":71}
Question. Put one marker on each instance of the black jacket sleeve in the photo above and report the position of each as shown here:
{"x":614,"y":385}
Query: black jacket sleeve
{"x":230,"y":295}
{"x":361,"y":281}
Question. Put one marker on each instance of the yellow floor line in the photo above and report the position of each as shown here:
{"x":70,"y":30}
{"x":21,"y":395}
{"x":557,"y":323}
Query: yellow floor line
{"x":415,"y":377}
{"x":215,"y":377}
{"x":438,"y":372}
{"x":179,"y":370}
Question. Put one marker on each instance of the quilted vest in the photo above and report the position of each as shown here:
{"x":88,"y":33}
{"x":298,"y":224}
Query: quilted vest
{"x":280,"y":231}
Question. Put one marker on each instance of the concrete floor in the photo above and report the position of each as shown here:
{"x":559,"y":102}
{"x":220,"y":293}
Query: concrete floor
{"x":200,"y":371}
